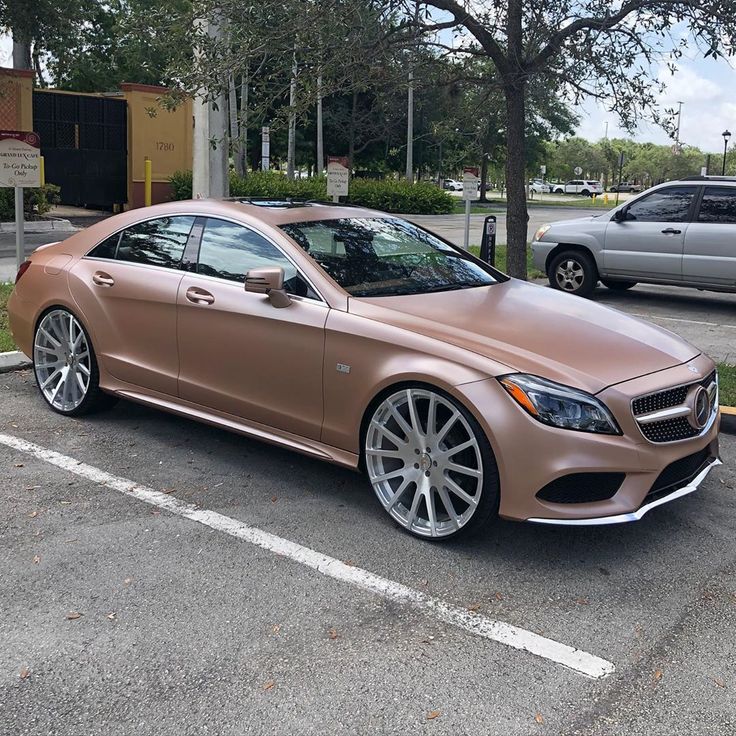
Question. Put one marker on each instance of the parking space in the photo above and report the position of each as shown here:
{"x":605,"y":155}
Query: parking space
{"x":119,"y":615}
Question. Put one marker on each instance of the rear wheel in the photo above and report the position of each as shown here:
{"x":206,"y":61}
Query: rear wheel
{"x":65,"y":365}
{"x":618,"y":285}
{"x":430,"y":464}
{"x":573,"y":271}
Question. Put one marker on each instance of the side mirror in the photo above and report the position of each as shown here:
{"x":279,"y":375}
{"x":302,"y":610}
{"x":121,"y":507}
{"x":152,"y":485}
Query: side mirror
{"x":621,"y":215}
{"x":268,"y":281}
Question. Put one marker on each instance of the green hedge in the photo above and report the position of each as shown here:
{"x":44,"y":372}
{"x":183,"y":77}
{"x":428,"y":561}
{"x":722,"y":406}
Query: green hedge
{"x":36,"y":201}
{"x":388,"y":195}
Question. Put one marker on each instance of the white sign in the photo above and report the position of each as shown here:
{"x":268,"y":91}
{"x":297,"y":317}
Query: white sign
{"x":338,"y":176}
{"x":578,"y":171}
{"x":470,"y":183}
{"x":20,"y":159}
{"x":543,"y":169}
{"x":265,"y":148}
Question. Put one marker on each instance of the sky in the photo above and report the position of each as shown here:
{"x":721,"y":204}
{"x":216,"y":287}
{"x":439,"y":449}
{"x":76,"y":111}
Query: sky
{"x":706,"y":87}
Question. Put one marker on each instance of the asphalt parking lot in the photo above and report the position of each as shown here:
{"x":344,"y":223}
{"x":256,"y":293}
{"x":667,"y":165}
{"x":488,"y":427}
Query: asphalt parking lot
{"x":287,"y":603}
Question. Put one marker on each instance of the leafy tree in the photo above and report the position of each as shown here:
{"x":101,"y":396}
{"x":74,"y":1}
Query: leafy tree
{"x":591,"y":48}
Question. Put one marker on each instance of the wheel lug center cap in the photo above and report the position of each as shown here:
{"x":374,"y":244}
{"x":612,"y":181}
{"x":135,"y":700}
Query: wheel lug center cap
{"x":425,"y":462}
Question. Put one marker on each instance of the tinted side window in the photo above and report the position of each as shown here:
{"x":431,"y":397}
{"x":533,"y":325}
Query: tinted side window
{"x":665,"y":205}
{"x":158,"y":242}
{"x":107,"y":248}
{"x":228,"y":251}
{"x":718,"y":205}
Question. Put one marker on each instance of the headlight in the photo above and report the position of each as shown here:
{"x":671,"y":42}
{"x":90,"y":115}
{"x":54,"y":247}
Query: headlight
{"x":559,"y":406}
{"x":542,"y":230}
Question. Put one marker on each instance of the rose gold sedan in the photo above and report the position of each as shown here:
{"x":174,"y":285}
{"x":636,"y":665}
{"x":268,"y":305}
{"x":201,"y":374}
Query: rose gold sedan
{"x":358,"y":338}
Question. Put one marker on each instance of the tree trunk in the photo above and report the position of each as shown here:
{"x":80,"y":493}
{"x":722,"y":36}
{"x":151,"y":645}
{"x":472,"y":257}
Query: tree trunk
{"x":241,"y":163}
{"x":483,"y":177}
{"x":516,"y":210}
{"x":21,"y":53}
{"x":291,"y":148}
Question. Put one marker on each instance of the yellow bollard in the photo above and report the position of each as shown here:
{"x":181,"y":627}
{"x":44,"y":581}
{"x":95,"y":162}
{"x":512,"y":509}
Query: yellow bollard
{"x":605,"y":198}
{"x":42,"y":171}
{"x":147,"y":183}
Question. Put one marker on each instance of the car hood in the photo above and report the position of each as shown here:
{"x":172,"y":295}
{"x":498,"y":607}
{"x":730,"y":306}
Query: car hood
{"x":535,"y":329}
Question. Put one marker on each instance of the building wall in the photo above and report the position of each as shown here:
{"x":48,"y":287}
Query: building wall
{"x":16,"y":99}
{"x":164,"y":136}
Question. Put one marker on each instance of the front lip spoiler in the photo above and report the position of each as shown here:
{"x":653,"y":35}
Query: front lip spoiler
{"x":639,"y":513}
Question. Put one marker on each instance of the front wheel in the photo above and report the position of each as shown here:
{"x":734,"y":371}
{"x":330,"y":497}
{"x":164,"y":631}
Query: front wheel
{"x":573,"y":271}
{"x":430,"y":464}
{"x":66,"y":367}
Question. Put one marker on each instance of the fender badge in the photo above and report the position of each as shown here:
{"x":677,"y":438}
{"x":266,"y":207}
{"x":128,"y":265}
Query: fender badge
{"x":342,"y":368}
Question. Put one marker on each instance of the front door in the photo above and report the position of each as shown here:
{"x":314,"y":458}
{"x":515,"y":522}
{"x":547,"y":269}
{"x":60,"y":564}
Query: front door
{"x":238,"y":353}
{"x":710,"y":243}
{"x":126,"y":290}
{"x":650,"y":241}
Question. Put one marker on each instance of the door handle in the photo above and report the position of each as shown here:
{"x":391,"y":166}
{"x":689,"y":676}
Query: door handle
{"x":671,"y":231}
{"x":199,"y":296}
{"x":102,"y":279}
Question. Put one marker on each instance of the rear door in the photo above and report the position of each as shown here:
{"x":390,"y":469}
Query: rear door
{"x":710,"y":242}
{"x":650,"y":242}
{"x":126,"y":289}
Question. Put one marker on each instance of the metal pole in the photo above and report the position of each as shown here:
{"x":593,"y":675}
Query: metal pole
{"x":320,"y":136}
{"x":291,"y":151}
{"x":679,"y":118}
{"x":147,"y":179}
{"x":410,"y":130}
{"x":725,"y":149}
{"x":466,"y":240}
{"x":20,"y":255}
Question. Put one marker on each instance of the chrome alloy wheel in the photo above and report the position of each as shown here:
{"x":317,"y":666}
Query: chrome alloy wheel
{"x":62,"y":360}
{"x":424,"y":462}
{"x":569,"y":275}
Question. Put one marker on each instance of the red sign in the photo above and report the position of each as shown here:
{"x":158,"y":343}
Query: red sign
{"x":32,"y":139}
{"x":342,"y":160}
{"x":472,"y":170}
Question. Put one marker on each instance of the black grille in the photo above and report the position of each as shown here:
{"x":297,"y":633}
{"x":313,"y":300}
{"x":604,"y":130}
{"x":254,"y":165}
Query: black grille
{"x":659,"y":401}
{"x":582,"y":488}
{"x":669,"y":430}
{"x":679,"y":473}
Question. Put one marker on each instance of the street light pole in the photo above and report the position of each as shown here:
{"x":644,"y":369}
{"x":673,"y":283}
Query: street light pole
{"x":726,"y":135}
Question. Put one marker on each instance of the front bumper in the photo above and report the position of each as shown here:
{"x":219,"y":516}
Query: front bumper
{"x":642,"y":510}
{"x":540,"y":251}
{"x":531,"y":455}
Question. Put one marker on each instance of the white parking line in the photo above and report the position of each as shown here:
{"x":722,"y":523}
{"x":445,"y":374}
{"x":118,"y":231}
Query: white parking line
{"x":680,"y":319}
{"x":513,"y":636}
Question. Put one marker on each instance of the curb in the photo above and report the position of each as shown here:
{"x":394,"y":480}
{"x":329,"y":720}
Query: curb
{"x":40,"y":226}
{"x":13,"y":361}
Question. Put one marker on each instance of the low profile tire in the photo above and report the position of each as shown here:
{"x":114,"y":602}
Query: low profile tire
{"x":585,"y":193}
{"x":618,"y":285}
{"x":430,"y":464}
{"x":65,"y":365}
{"x":574,"y":272}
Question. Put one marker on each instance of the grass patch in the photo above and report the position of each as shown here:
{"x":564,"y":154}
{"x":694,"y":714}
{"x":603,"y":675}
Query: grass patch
{"x":549,"y":200}
{"x":6,"y":339}
{"x":500,"y":263}
{"x":727,"y":384}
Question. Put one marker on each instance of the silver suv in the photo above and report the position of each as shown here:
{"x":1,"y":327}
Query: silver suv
{"x":681,"y":233}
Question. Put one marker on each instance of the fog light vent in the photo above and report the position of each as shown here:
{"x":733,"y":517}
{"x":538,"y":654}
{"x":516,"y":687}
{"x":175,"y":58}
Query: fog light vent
{"x":582,"y":488}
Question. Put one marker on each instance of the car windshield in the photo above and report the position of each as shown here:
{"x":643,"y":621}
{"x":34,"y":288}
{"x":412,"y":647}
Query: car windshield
{"x":387,"y":257}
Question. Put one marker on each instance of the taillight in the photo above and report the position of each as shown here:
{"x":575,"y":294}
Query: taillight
{"x":23,"y":268}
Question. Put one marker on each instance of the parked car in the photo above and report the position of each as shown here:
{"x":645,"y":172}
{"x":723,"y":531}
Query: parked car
{"x":453,"y":185}
{"x":586,"y":187}
{"x":680,"y":233}
{"x":539,"y":186}
{"x":359,"y":338}
{"x":625,"y":186}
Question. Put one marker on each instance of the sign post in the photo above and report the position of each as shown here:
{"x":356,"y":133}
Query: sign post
{"x":338,"y":177}
{"x":470,"y":194}
{"x":20,"y":166}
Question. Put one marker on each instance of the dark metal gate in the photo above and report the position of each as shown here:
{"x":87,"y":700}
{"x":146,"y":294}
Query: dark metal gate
{"x":84,"y":145}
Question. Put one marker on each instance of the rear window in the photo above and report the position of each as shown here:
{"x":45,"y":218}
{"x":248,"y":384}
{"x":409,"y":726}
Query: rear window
{"x":718,"y":205}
